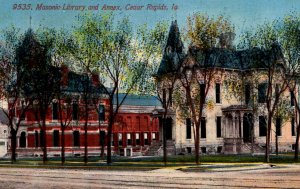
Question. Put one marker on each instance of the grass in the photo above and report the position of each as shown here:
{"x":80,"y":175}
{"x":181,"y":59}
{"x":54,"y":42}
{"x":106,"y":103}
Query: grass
{"x":144,"y":163}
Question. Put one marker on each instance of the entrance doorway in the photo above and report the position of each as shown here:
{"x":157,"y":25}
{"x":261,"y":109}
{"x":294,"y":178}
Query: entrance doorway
{"x":247,"y":128}
{"x":168,"y":130}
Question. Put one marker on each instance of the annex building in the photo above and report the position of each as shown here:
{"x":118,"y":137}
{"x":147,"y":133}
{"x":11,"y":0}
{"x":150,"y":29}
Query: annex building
{"x":234,"y":118}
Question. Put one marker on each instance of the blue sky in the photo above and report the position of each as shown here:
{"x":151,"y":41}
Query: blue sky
{"x":244,"y":14}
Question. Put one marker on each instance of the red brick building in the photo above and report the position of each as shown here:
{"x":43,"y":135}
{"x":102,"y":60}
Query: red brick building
{"x":135,"y":128}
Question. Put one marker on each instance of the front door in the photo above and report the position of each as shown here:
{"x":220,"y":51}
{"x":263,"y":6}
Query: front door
{"x":247,"y":128}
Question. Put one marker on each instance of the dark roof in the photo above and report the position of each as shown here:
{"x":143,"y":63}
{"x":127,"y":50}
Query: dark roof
{"x":173,"y":53}
{"x":174,"y":56}
{"x":241,"y":60}
{"x":138,"y":100}
{"x":81,"y":83}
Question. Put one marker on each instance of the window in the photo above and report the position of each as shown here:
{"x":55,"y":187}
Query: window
{"x":293,"y":126}
{"x":54,"y":111}
{"x":218,"y":93}
{"x":203,"y":127}
{"x":112,"y":140}
{"x":120,"y":139}
{"x":219,"y":126}
{"x":278,"y":126}
{"x":102,"y":137}
{"x":203,"y":150}
{"x":219,"y":149}
{"x":188,"y":128}
{"x":262,"y":91}
{"x":36,"y":139}
{"x":202,"y":93}
{"x":75,"y":111}
{"x":292,"y":98}
{"x":170,"y":96}
{"x":262,"y":126}
{"x":189,"y":150}
{"x":56,"y":138}
{"x":129,"y":141}
{"x":76,"y":138}
{"x":153,"y":136}
{"x":164,"y":96}
{"x":42,"y":138}
{"x":101,"y":113}
{"x":247,"y":94}
{"x":137,"y":139}
{"x":23,"y":140}
{"x":146,"y":139}
{"x":277,"y":90}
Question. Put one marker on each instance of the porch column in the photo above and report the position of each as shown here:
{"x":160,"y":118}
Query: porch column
{"x":242,"y":125}
{"x":223,"y":126}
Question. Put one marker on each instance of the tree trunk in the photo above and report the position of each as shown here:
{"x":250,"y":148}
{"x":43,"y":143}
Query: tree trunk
{"x":109,"y":133}
{"x":164,"y":141}
{"x":268,"y":138}
{"x":109,"y":130}
{"x":63,"y":159}
{"x":13,"y":146}
{"x":197,"y":144}
{"x":45,"y":158}
{"x":276,"y":144}
{"x":101,"y":141}
{"x":297,"y":142}
{"x":85,"y":135}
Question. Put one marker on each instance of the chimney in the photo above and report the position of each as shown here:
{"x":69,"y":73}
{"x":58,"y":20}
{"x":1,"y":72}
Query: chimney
{"x":95,"y":79}
{"x":64,"y":75}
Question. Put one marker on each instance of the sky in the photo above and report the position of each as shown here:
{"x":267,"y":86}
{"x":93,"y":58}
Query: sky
{"x":244,"y":14}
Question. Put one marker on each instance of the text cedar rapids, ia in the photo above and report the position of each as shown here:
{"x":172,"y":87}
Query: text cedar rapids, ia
{"x":104,"y":7}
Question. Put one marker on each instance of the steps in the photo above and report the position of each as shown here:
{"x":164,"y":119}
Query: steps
{"x":156,"y":149}
{"x":246,"y":148}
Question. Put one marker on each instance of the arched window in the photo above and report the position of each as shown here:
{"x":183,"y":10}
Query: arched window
{"x":76,"y":138}
{"x":23,"y":139}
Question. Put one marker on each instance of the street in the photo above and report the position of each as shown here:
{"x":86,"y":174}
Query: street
{"x":257,"y":176}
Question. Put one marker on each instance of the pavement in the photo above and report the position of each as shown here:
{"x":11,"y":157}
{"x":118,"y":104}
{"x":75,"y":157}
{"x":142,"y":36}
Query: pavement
{"x":205,"y":176}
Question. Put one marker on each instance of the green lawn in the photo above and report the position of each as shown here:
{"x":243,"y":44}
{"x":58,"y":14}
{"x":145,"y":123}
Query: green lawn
{"x":144,"y":163}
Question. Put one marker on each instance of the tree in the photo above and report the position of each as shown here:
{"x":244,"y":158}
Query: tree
{"x":118,"y":54}
{"x":289,"y":37}
{"x":269,"y":39}
{"x":283,"y":113}
{"x":197,"y":74}
{"x":10,"y":85}
{"x":40,"y":80}
{"x":58,"y":43}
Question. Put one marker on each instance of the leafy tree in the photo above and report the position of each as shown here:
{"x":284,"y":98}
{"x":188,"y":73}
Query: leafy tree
{"x":283,"y":113}
{"x":270,"y":39}
{"x":289,"y":38}
{"x":116,"y":53}
{"x":11,"y":81}
{"x":197,"y":75}
{"x":59,"y":44}
{"x":40,"y":80}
